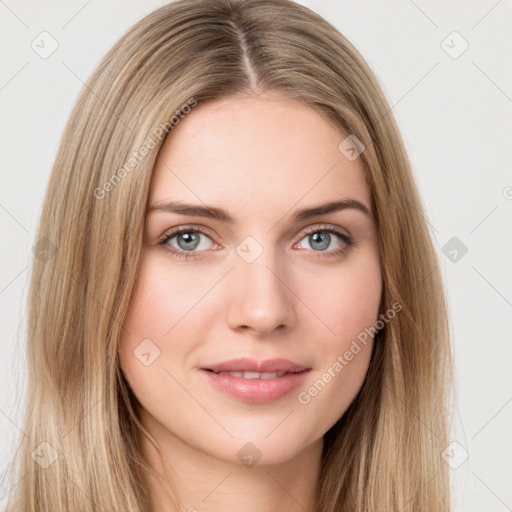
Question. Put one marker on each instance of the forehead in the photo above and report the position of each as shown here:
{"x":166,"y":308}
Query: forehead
{"x":250,"y":152}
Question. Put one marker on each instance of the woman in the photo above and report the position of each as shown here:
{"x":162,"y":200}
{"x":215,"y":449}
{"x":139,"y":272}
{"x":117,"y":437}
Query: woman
{"x":235,"y":301}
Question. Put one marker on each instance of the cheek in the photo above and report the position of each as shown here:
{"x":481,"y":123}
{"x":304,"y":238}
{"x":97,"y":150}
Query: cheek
{"x":161,"y":298}
{"x":166,"y":320}
{"x":157,"y":307}
{"x":347,"y":298}
{"x":348,"y":304}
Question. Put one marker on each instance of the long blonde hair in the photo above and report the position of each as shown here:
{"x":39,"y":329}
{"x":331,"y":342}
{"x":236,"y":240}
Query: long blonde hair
{"x":385,"y":453}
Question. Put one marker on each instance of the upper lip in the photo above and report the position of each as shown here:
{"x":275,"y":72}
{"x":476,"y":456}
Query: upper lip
{"x":245,"y":364}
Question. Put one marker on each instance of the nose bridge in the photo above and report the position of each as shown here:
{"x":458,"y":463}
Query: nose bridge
{"x":260,"y":297}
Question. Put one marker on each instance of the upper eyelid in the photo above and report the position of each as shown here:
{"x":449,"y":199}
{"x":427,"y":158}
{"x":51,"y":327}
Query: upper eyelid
{"x":187,"y":227}
{"x":325,"y":226}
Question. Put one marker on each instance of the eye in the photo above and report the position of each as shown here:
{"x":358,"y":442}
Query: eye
{"x":326,"y":239}
{"x":183,"y":241}
{"x":190,"y":242}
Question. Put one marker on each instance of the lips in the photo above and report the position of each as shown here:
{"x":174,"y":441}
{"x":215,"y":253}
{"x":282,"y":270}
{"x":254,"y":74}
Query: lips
{"x":253,"y":381}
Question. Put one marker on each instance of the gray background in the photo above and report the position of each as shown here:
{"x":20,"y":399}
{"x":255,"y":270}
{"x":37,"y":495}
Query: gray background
{"x":454,"y":108}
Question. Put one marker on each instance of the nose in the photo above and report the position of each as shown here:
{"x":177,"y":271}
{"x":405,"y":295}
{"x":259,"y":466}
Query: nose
{"x":259,"y":296}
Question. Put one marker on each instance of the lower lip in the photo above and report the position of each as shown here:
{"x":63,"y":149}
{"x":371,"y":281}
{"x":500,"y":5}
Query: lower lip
{"x":256,"y":391}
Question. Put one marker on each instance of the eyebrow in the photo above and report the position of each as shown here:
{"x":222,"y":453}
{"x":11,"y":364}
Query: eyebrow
{"x":222,"y":215}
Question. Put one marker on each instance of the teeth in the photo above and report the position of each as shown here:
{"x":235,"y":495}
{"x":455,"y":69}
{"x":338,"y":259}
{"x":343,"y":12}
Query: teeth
{"x":272,"y":375}
{"x":254,"y":375}
{"x":251,"y":375}
{"x":235,"y":374}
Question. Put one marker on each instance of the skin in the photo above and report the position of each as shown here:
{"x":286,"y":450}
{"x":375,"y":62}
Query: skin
{"x":261,"y":158}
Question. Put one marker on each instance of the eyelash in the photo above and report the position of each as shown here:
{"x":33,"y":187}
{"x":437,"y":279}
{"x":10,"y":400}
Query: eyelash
{"x":347,"y":240}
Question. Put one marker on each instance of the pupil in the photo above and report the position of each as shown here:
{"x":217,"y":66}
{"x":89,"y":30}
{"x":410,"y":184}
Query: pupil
{"x":321,"y":239}
{"x":190,"y":240}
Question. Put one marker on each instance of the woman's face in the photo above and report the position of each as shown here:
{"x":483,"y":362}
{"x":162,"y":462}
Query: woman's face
{"x":254,"y":276}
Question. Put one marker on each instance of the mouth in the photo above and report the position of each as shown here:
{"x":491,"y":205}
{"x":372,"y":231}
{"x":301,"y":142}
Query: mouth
{"x":252,"y":381}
